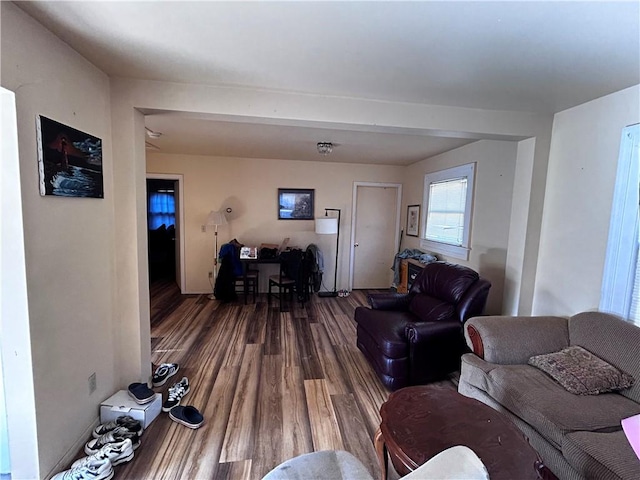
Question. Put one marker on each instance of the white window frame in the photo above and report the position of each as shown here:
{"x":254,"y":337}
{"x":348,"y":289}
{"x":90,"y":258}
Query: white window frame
{"x":622,"y":246}
{"x":456,"y":251}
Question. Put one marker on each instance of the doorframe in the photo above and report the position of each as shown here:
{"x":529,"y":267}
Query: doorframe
{"x":15,"y":334}
{"x":179,"y":221}
{"x":354,"y":209}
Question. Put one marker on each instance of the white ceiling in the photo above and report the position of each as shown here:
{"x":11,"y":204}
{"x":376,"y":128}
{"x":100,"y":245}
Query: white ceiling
{"x":519,"y":55}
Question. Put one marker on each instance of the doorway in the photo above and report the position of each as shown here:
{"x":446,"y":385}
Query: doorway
{"x":375,"y":234}
{"x":165,"y":232}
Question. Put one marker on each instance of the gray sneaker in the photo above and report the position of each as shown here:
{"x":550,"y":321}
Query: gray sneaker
{"x":125,"y":421}
{"x":116,"y":453}
{"x":176,"y":393}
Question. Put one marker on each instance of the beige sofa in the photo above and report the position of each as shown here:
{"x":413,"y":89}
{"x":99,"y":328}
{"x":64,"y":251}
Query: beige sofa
{"x":577,"y":436}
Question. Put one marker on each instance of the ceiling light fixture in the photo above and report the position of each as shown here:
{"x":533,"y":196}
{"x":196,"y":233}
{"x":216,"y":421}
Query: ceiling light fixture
{"x":324,"y":148}
{"x":152,"y":134}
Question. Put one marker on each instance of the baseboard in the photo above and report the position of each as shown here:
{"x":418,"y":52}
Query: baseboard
{"x":70,"y":456}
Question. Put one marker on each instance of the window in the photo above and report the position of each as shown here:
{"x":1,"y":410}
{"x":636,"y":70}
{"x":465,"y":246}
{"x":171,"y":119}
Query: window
{"x":162,"y":209}
{"x":621,"y":282}
{"x":448,"y":198}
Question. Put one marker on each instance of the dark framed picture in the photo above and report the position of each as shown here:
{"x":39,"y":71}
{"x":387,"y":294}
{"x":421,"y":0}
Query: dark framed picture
{"x":295,"y":204}
{"x":69,"y":161}
{"x":413,"y":220}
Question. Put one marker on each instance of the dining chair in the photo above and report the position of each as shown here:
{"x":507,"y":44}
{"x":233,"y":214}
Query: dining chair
{"x":248,"y":283}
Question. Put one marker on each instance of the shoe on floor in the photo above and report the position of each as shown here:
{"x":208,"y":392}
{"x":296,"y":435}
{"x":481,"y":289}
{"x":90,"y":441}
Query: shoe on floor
{"x":163,"y":372}
{"x":125,"y":421}
{"x":116,"y":453}
{"x":116,"y":435}
{"x":188,"y":416}
{"x":94,"y":470}
{"x":176,"y":392}
{"x":141,"y":393}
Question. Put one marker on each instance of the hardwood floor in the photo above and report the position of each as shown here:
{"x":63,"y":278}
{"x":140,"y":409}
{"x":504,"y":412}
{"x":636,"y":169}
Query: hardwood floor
{"x":270,"y":385}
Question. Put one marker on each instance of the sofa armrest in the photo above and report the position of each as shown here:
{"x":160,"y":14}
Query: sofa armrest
{"x":389,"y":301}
{"x":513,"y":340}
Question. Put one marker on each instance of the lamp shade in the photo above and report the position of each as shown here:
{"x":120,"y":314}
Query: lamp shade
{"x":326,"y":225}
{"x":216,"y":218}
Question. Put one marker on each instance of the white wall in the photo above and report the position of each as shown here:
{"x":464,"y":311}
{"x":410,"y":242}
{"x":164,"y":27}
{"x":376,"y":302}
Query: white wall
{"x":580,"y":183}
{"x":249,"y":187}
{"x":19,"y":417}
{"x":494,"y":178}
{"x":68,"y":241}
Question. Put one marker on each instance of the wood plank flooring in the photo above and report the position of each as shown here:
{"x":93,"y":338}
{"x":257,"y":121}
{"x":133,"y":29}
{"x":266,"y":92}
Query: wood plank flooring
{"x":271,"y":385}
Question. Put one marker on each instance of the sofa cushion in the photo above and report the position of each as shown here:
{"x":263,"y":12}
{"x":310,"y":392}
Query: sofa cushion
{"x":601,"y":455}
{"x":581,"y":372}
{"x":540,"y":401}
{"x":613,"y":340}
{"x":430,"y":308}
{"x":447,"y":281}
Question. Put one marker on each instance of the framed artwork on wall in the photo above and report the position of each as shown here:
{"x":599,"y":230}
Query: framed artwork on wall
{"x":413,"y":220}
{"x":295,"y":204}
{"x":69,"y":161}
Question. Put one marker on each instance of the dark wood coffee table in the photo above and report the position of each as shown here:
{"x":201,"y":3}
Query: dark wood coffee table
{"x":420,"y":422}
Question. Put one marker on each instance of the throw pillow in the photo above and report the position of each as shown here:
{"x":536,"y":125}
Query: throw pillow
{"x":581,"y":372}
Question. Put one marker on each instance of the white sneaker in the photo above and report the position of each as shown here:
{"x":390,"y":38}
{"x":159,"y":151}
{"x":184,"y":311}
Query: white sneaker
{"x":116,"y":453}
{"x":114,"y":436}
{"x":176,"y":393}
{"x":94,"y":470}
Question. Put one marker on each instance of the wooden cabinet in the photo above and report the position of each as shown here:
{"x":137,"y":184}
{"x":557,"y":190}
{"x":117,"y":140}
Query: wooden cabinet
{"x":409,"y":269}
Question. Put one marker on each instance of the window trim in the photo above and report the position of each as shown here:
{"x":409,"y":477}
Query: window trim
{"x":456,"y":251}
{"x":621,"y":255}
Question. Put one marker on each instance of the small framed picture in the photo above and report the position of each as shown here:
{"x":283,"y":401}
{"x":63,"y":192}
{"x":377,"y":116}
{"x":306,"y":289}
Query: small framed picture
{"x":413,"y":220}
{"x":295,"y":204}
{"x":69,"y":160}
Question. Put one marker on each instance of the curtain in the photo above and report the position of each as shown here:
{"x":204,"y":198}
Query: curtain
{"x":162,"y":210}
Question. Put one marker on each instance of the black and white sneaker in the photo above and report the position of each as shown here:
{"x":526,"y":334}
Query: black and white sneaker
{"x":176,"y":393}
{"x":163,"y":372}
{"x":125,"y":421}
{"x":116,"y":453}
{"x":116,"y":435}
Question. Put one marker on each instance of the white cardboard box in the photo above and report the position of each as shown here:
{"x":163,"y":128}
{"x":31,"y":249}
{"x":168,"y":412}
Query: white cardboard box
{"x":122,"y":404}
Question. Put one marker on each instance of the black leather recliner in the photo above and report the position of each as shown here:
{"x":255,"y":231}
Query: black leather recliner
{"x":417,"y":338}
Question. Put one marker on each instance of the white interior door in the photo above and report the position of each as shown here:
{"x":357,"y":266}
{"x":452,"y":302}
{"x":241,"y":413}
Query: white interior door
{"x":375,"y":234}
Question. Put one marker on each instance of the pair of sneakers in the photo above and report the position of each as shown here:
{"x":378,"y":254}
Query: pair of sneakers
{"x":343,"y":293}
{"x":116,"y":432}
{"x":99,"y":465}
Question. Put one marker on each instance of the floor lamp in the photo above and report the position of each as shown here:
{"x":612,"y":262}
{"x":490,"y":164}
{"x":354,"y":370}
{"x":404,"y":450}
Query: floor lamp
{"x":328,"y":226}
{"x":214,"y":219}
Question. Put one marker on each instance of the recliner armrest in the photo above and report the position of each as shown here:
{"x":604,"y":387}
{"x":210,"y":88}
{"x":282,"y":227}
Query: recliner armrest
{"x":513,"y":340}
{"x":390,"y":301}
{"x":421,"y":332}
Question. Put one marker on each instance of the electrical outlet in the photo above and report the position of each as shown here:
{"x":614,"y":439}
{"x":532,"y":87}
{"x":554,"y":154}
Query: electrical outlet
{"x":204,"y":229}
{"x":210,"y":274}
{"x":92,"y":383}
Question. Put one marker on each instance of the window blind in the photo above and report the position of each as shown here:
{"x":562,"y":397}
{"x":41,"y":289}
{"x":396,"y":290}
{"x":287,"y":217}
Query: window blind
{"x":445,"y":216}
